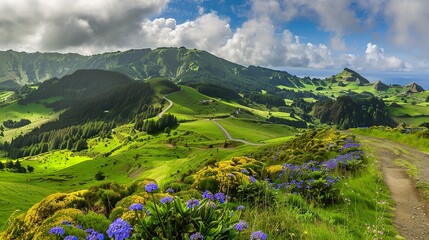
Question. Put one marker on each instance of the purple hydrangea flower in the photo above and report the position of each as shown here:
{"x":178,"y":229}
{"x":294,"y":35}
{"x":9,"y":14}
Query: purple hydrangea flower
{"x":170,"y":190}
{"x":252,"y":179}
{"x":71,"y":238}
{"x":220,"y":197}
{"x":240,"y":208}
{"x":57,"y":230}
{"x":192,"y":203}
{"x":94,"y":235}
{"x":258,"y":235}
{"x":331,"y":164}
{"x":197,"y":236}
{"x":166,"y":199}
{"x":136,"y":207}
{"x":244,"y":171}
{"x":151,"y":187}
{"x":78,"y":226}
{"x":208,"y":195}
{"x":241,"y":226}
{"x":119,"y":229}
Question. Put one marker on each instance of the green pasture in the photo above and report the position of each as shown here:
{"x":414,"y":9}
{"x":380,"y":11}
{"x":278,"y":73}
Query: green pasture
{"x":393,"y":135}
{"x":409,"y":109}
{"x":255,"y":131}
{"x":188,"y":105}
{"x":36,"y":113}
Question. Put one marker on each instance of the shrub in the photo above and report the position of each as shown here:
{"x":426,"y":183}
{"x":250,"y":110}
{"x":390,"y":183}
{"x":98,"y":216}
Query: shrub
{"x":179,"y":220}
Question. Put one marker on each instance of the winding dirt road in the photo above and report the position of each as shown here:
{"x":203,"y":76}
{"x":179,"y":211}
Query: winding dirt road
{"x":229,"y":137}
{"x":411,"y":211}
{"x":165,"y":110}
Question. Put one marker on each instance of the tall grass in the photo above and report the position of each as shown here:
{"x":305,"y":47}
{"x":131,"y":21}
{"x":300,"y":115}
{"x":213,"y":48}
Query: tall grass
{"x":408,"y":139}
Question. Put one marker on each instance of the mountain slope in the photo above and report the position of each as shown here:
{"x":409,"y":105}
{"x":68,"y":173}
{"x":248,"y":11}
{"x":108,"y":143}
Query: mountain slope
{"x":348,"y":75}
{"x":78,"y":86}
{"x":180,"y":65}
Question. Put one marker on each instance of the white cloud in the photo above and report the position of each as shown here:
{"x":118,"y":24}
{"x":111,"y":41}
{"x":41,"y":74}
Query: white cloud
{"x":408,"y":20}
{"x":256,"y":43}
{"x":208,"y":32}
{"x":59,"y":25}
{"x":335,"y":16}
{"x":109,"y":25}
{"x":375,"y":57}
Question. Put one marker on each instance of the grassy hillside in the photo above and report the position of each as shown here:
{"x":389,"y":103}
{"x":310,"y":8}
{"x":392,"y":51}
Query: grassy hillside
{"x":188,"y":103}
{"x":110,"y":171}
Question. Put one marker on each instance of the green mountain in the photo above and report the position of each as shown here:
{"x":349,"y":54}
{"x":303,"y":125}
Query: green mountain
{"x":348,"y":75}
{"x":76,"y":87}
{"x":180,"y":65}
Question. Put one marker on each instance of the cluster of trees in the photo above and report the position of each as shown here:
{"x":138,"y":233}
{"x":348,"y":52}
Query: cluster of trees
{"x":347,"y":112}
{"x":293,"y":123}
{"x":148,"y":111}
{"x":16,"y":167}
{"x":71,"y":138}
{"x":291,"y":94}
{"x":16,"y":124}
{"x":164,"y":124}
{"x":86,"y":117}
{"x":216,"y":91}
{"x":267,"y":99}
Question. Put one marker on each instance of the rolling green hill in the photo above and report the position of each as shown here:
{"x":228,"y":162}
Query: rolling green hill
{"x":95,"y":149}
{"x":180,"y":65}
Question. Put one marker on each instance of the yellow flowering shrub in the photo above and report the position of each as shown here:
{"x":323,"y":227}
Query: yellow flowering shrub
{"x":226,"y":176}
{"x":27,"y":225}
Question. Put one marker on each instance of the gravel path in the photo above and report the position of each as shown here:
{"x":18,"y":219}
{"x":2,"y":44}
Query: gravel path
{"x":165,"y":110}
{"x":229,"y":137}
{"x":411,"y":211}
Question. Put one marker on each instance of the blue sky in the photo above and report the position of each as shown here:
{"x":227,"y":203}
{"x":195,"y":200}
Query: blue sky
{"x":370,"y":36}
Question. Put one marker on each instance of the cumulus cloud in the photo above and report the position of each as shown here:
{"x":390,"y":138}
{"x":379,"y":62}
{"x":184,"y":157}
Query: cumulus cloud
{"x":208,"y":32}
{"x":257,"y":43}
{"x":336,"y":17}
{"x":408,"y":23}
{"x":58,"y":25}
{"x":373,"y":58}
{"x":109,"y":25}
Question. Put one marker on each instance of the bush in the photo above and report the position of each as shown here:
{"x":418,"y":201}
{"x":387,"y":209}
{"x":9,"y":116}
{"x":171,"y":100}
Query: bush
{"x":99,"y":176}
{"x":175,"y":219}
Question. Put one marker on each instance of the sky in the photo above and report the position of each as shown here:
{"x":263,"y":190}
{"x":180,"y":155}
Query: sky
{"x":317,"y":37}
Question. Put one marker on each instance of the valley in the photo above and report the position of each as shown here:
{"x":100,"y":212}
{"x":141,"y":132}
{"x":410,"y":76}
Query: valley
{"x":273,"y":142}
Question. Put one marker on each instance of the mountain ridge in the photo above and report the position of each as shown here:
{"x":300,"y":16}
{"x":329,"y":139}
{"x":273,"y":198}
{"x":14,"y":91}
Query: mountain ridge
{"x":181,"y":65}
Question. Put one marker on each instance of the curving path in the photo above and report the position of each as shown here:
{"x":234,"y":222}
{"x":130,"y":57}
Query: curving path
{"x":411,"y":211}
{"x":227,"y":135}
{"x":225,"y":132}
{"x":165,"y":110}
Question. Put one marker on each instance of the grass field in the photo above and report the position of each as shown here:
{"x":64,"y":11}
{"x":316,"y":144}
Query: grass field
{"x":36,"y":113}
{"x":188,"y":105}
{"x":162,"y":157}
{"x":409,"y":109}
{"x":255,"y":131}
{"x":408,"y":139}
{"x":128,"y":155}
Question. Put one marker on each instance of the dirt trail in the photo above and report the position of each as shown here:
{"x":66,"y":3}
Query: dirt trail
{"x":229,"y":137}
{"x":170,"y":104}
{"x":411,"y":212}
